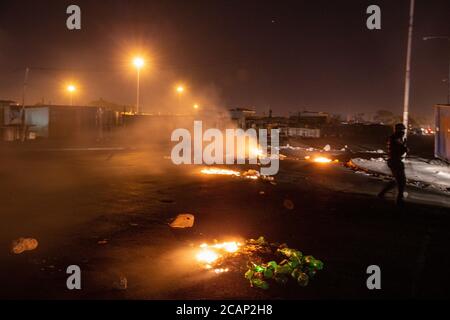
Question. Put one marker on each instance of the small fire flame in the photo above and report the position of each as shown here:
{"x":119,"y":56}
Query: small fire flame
{"x":322,"y":160}
{"x":221,"y":172}
{"x":221,"y":270}
{"x":206,"y":255}
{"x":256,"y":152}
{"x":250,"y":174}
{"x":210,"y":253}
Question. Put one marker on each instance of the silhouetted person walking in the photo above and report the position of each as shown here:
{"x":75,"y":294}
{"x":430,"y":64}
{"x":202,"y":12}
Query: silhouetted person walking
{"x":397,"y":150}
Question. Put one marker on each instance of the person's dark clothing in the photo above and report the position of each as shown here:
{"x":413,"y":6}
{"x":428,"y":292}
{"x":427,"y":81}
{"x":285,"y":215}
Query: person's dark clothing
{"x":396,"y":147}
{"x":396,"y":151}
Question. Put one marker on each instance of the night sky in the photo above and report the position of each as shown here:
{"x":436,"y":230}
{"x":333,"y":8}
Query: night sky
{"x":285,"y":55}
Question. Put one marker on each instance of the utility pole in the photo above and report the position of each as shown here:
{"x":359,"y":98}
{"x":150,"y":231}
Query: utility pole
{"x":22,"y":111}
{"x":408,"y":66}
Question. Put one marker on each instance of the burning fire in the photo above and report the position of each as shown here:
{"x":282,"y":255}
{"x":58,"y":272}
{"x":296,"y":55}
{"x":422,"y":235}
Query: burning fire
{"x":256,"y":152}
{"x":249,"y":174}
{"x":206,"y":255}
{"x":322,"y":160}
{"x":210,"y":253}
{"x":221,"y":172}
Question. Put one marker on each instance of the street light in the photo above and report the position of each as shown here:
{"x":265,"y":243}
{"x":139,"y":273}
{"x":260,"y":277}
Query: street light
{"x":71,"y":89}
{"x":180,"y":89}
{"x":138,"y":63}
{"x":448,"y":79}
{"x":196,"y":106}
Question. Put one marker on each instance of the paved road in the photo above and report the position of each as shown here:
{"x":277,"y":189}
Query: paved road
{"x":71,"y":200}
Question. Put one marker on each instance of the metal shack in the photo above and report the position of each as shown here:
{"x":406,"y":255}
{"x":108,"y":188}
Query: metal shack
{"x":442,"y":137}
{"x":63,"y":122}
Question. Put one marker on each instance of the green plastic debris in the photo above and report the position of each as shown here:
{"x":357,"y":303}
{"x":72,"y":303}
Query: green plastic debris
{"x":268,"y":273}
{"x":294,"y":264}
{"x":249,"y":274}
{"x":303,"y":279}
{"x":284,"y":269}
{"x":259,"y":283}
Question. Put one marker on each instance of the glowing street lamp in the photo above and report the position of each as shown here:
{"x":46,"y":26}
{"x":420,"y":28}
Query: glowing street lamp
{"x":180,"y":89}
{"x":138,"y":63}
{"x":71,"y":89}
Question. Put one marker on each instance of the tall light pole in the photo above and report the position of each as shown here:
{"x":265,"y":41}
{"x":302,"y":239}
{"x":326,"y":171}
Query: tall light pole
{"x":448,"y":79}
{"x":71,"y":89}
{"x":408,"y":66}
{"x":138,"y":63}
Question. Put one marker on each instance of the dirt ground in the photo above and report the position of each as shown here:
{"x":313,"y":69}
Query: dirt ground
{"x":107,"y":212}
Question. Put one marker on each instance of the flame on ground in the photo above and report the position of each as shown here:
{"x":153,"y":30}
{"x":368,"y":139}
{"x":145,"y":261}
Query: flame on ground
{"x":220,"y":172}
{"x":208,"y":254}
{"x":322,"y":160}
{"x":249,"y":174}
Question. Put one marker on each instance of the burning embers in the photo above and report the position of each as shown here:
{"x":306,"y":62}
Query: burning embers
{"x":249,"y":174}
{"x":320,"y":159}
{"x":216,"y":171}
{"x":209,"y":254}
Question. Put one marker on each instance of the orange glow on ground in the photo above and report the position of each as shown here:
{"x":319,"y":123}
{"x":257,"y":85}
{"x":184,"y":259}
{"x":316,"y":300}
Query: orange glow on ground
{"x":215,"y":171}
{"x":322,"y":160}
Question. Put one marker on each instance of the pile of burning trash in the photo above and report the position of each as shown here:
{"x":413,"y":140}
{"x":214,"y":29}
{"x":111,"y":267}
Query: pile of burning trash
{"x":257,"y":259}
{"x":249,"y":174}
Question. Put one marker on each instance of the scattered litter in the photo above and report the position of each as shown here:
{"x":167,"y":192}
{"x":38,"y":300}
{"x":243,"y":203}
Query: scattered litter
{"x":251,"y":174}
{"x":23,"y":244}
{"x":104,"y":241}
{"x":184,"y":220}
{"x":327,"y":148}
{"x":261,"y":192}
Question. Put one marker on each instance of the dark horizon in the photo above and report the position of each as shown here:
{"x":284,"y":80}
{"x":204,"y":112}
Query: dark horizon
{"x":286,"y":56}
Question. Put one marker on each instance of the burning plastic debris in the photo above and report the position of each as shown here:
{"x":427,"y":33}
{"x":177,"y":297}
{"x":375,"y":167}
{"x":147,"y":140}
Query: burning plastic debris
{"x":249,"y":174}
{"x":250,"y":257}
{"x":208,"y":254}
{"x":322,"y":160}
{"x":216,"y":171}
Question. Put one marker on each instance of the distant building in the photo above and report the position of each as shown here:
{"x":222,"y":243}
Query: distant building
{"x":442,"y":136}
{"x":309,"y":119}
{"x":64,"y":122}
{"x":239,"y":116}
{"x":10,"y":120}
